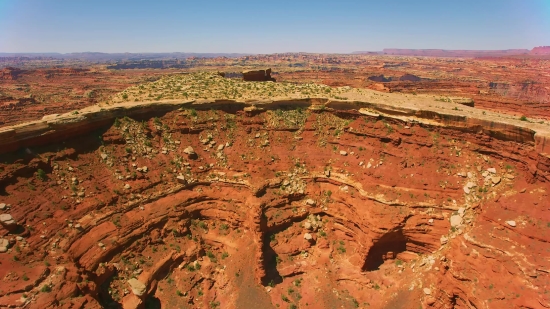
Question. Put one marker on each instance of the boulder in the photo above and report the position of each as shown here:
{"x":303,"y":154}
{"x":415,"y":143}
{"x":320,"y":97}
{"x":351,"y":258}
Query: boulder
{"x":495,"y":180}
{"x":4,"y":245}
{"x":8,"y":222}
{"x":344,"y":153}
{"x":181,"y":179}
{"x":467,"y":188}
{"x":191,"y":154}
{"x":511,"y":223}
{"x":138,"y":287}
{"x":456,"y":220}
{"x":310,"y":202}
{"x":430,"y":300}
{"x":308,"y":237}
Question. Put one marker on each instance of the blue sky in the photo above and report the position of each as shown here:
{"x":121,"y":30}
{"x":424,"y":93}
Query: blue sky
{"x":255,"y":26}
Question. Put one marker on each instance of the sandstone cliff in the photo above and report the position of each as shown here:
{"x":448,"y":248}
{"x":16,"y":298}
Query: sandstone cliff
{"x":378,"y":200}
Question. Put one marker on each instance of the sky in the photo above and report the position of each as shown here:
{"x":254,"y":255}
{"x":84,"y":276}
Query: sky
{"x":256,"y":26}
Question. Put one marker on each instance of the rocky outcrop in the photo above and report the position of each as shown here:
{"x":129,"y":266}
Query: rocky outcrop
{"x":526,"y":90}
{"x":59,"y":127}
{"x":540,"y":50}
{"x":7,"y":221}
{"x":258,"y":76}
{"x":10,"y":73}
{"x":138,"y":288}
{"x":409,"y":78}
{"x":379,"y":78}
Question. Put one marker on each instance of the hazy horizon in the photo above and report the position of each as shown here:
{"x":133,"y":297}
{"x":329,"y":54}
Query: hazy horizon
{"x":248,"y":27}
{"x":244,"y":53}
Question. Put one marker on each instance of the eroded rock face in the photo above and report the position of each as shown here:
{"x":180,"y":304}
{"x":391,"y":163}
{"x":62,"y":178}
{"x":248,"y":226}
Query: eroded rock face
{"x":283,"y":216}
{"x":10,"y":73}
{"x":138,"y":287}
{"x":258,"y":76}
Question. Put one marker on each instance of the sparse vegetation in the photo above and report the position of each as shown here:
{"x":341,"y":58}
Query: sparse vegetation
{"x":45,"y":289}
{"x":40,"y":174}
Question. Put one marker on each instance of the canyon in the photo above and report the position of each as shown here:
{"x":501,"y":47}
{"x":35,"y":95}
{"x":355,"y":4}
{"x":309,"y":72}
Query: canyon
{"x":325,"y":189}
{"x":34,"y":87}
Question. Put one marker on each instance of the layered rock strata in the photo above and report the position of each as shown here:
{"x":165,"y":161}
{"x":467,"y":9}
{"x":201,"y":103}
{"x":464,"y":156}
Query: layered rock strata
{"x":299,"y":202}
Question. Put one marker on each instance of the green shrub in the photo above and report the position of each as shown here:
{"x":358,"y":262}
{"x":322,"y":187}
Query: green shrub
{"x":41,"y":174}
{"x":45,"y":289}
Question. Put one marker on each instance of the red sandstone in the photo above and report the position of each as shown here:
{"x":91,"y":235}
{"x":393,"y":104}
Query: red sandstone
{"x":376,"y":193}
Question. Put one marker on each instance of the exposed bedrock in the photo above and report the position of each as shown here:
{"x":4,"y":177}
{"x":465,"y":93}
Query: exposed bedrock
{"x":258,"y":76}
{"x":329,"y":207}
{"x":60,"y":127}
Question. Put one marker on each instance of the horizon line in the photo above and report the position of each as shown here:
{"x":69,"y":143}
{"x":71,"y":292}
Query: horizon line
{"x":256,"y":53}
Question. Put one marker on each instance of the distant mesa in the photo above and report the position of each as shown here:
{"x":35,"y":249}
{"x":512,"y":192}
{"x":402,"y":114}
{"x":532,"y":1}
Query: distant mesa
{"x":540,"y":50}
{"x":379,"y":78}
{"x":448,"y":53}
{"x":409,"y":78}
{"x":454,"y":53}
{"x":258,"y":76}
{"x":405,"y":78}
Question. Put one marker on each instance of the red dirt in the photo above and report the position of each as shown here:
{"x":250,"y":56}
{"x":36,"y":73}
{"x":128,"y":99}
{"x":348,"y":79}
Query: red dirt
{"x":516,"y":85}
{"x":31,"y":94}
{"x":241,"y":214}
{"x":231,"y":233}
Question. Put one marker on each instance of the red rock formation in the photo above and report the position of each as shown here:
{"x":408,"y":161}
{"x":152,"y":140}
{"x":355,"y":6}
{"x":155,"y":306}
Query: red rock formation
{"x":409,"y":78}
{"x":9,"y":73}
{"x":454,"y":53}
{"x":379,"y":78}
{"x":378,"y":217}
{"x":335,"y":204}
{"x":258,"y":76}
{"x":540,"y":50}
{"x":30,"y":94}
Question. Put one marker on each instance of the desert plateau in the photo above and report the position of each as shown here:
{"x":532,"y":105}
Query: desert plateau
{"x":275,"y":155}
{"x":329,"y":181}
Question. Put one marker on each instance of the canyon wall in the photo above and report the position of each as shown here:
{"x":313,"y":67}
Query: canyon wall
{"x":304,"y":202}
